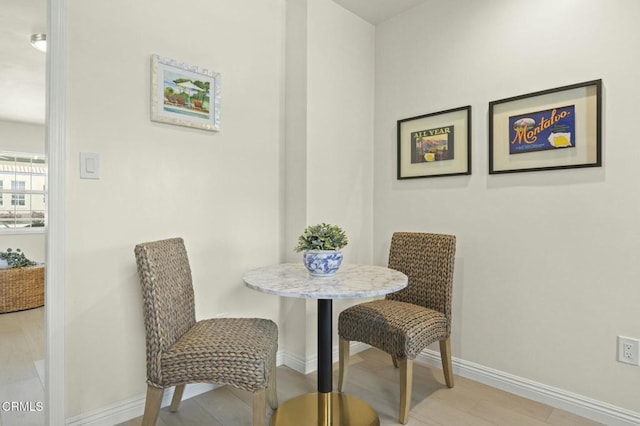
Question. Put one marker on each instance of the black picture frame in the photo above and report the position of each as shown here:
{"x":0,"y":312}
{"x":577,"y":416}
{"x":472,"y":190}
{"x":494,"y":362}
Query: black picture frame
{"x":434,"y":145}
{"x":553,"y":129}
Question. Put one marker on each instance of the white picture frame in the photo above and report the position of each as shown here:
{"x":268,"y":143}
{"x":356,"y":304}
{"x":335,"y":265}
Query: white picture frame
{"x":184,"y":95}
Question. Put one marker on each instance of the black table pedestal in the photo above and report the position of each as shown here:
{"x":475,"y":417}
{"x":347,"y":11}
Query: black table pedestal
{"x":325,"y":408}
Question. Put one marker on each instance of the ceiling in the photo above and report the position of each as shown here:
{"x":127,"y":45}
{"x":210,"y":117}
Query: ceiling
{"x":22,"y":68}
{"x":376,"y":11}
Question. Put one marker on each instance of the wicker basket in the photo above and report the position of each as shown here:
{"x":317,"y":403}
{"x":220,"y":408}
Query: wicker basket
{"x":21,"y":288}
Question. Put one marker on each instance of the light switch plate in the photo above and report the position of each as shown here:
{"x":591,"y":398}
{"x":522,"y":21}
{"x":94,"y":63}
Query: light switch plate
{"x":89,"y":165}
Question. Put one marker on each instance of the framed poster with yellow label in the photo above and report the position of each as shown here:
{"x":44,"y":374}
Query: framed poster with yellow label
{"x":553,"y":129}
{"x":436,"y":144}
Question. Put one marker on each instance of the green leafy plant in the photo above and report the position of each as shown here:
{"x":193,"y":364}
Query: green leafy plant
{"x":16,"y":259}
{"x":322,"y":237}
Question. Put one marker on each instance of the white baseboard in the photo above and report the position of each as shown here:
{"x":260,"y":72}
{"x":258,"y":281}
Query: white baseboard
{"x":596,"y":410}
{"x":309,"y":365}
{"x":296,"y":362}
{"x":586,"y":407}
{"x":132,"y":407}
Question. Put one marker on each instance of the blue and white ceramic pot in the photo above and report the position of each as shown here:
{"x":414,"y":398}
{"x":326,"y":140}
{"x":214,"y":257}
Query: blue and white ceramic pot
{"x":322,"y":263}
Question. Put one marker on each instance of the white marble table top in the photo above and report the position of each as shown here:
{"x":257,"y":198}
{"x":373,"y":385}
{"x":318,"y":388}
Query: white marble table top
{"x":351,"y":281}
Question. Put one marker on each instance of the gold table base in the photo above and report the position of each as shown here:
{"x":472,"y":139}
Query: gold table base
{"x":325,"y":409}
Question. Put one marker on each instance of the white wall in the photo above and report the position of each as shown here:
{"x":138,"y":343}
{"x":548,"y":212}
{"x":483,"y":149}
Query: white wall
{"x":232,"y":184}
{"x":22,"y":137}
{"x":329,"y":160}
{"x":340,"y":124}
{"x":29,"y":138}
{"x":340,"y":131}
{"x":228,"y":183}
{"x":530,"y":294}
{"x":546,"y":271}
{"x":32,"y":244}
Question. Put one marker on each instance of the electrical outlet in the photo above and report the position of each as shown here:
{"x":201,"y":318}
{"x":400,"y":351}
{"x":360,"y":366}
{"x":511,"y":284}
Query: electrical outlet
{"x":628,"y":349}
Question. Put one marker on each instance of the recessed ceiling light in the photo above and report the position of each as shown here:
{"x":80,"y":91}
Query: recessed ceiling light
{"x":39,"y":41}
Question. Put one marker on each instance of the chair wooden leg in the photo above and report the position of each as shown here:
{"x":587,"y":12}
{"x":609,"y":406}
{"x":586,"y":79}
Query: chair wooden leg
{"x":259,"y":407}
{"x":445,"y":356}
{"x":394,"y":360}
{"x":343,"y":363}
{"x":177,"y":397}
{"x":152,"y":406}
{"x":272,"y":388}
{"x":406,"y":382}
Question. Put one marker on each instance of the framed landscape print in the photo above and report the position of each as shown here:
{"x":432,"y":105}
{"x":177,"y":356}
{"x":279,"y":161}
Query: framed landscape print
{"x":553,"y":129}
{"x":436,"y":144}
{"x":184,"y":95}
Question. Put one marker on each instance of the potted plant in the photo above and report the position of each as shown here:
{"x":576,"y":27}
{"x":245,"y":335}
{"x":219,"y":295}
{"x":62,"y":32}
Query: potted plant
{"x":15,"y":259}
{"x":21,"y":282}
{"x":322,"y":248}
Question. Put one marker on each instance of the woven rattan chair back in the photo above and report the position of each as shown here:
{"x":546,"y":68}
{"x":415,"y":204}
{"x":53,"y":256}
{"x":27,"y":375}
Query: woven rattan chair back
{"x":428,"y":261}
{"x":167,"y":292}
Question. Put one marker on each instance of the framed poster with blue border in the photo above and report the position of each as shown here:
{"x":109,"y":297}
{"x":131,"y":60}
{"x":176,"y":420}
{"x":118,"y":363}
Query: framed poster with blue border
{"x":435,"y":144}
{"x":553,"y":129}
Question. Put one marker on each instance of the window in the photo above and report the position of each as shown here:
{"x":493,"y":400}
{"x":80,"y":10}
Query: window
{"x":17,"y":192}
{"x":22,"y":192}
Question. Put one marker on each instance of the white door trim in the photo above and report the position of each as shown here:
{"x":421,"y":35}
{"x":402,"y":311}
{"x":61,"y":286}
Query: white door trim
{"x":55,"y":240}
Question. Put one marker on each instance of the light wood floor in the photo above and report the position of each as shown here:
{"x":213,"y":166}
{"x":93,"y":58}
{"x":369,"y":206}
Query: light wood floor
{"x":373,"y":379}
{"x":21,"y":355}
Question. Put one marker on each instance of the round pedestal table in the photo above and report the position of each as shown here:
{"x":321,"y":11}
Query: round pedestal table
{"x":325,"y":407}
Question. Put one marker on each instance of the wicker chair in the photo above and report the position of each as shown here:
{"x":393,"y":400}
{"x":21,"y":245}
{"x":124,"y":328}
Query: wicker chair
{"x":406,"y":322}
{"x":240,"y":352}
